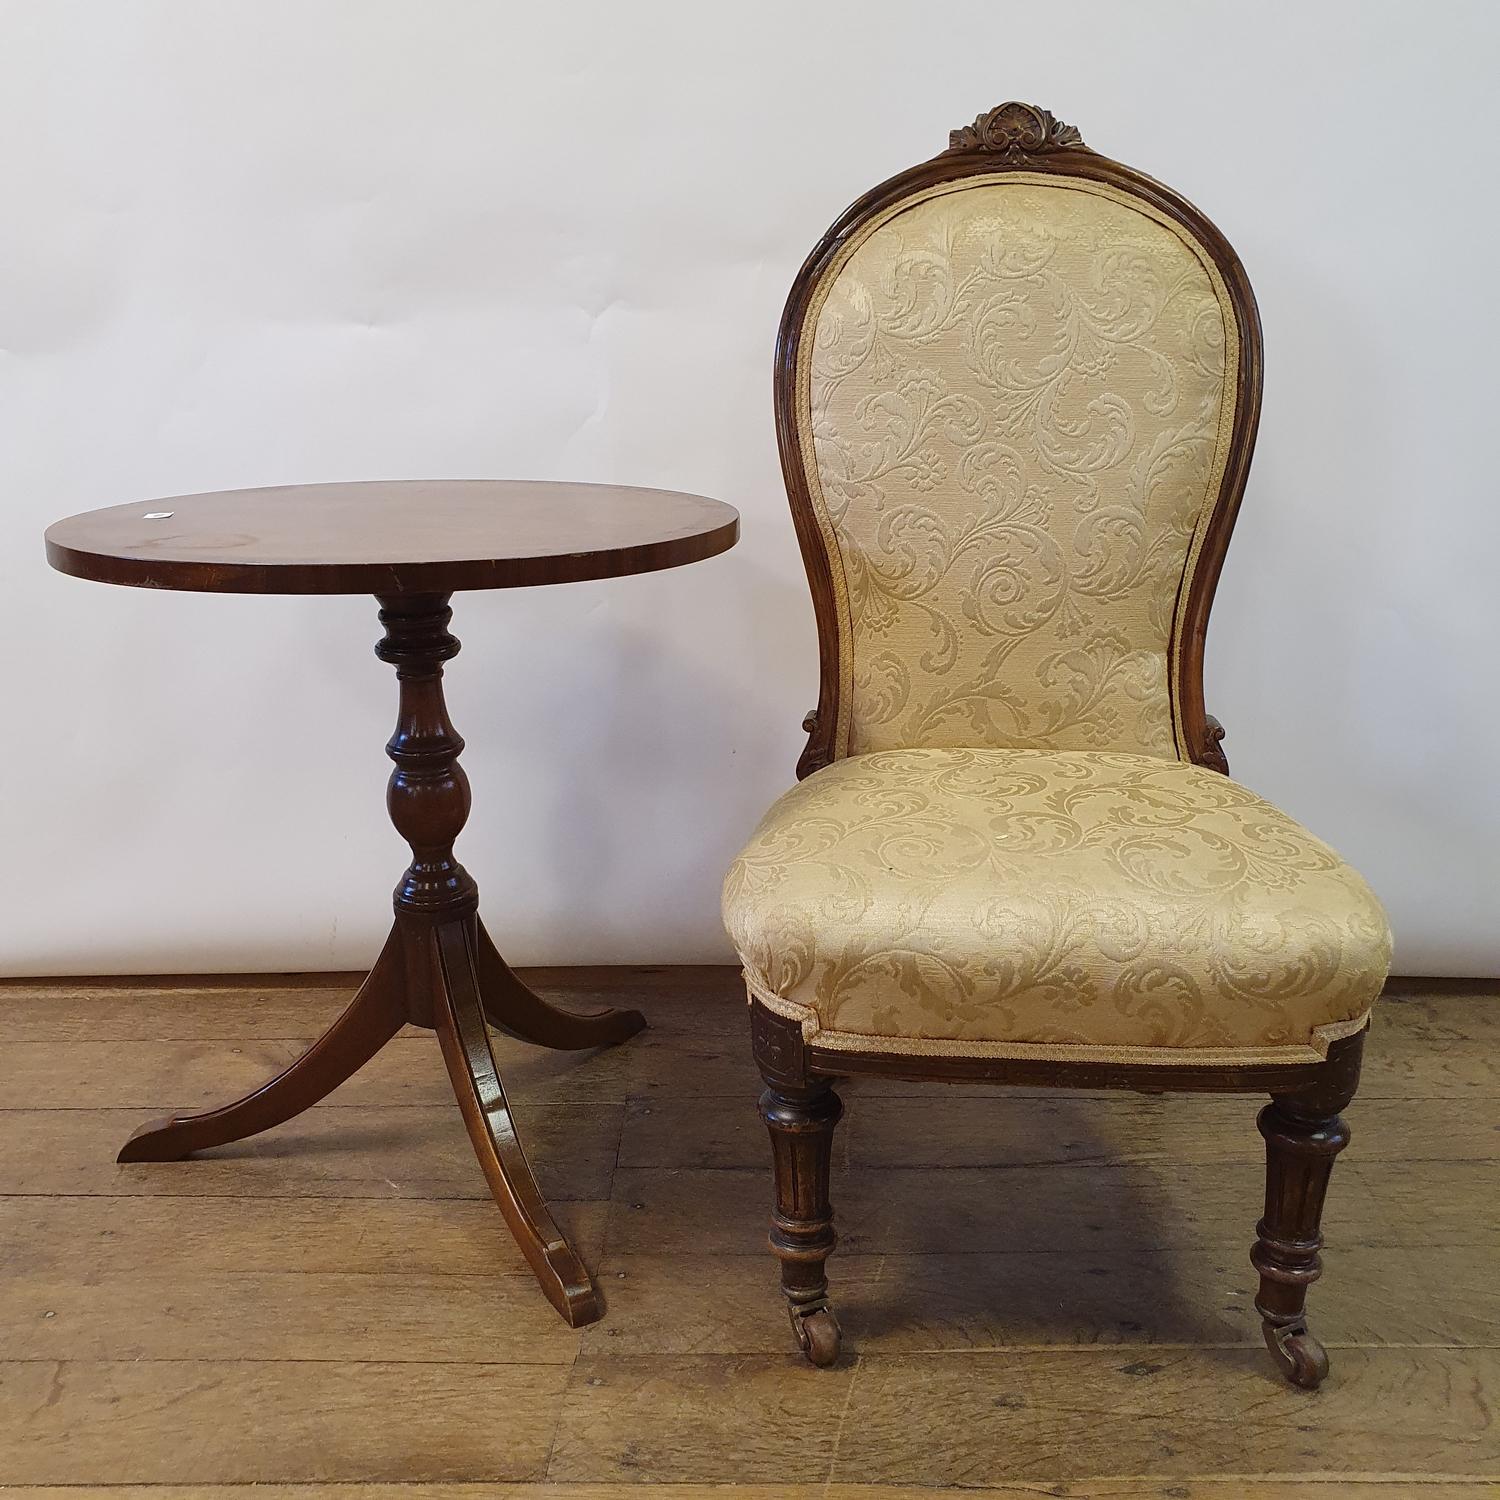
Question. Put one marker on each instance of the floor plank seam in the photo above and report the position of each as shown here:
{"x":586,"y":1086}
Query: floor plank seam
{"x":281,"y":1197}
{"x":136,"y":1361}
{"x":838,"y":1432}
{"x":1099,"y":1349}
{"x":607,"y":1233}
{"x":562,"y":1407}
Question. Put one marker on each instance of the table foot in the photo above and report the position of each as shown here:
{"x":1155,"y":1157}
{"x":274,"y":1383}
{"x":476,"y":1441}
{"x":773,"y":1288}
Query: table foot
{"x":377,"y":1012}
{"x":513,"y":1007}
{"x":459,"y":1016}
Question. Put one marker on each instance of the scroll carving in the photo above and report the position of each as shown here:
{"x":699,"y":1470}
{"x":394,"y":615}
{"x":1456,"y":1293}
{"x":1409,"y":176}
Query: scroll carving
{"x":1014,"y":131}
{"x":1212,"y":754}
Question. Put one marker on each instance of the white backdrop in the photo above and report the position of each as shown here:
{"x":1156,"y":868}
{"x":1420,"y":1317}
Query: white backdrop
{"x":265,"y":241}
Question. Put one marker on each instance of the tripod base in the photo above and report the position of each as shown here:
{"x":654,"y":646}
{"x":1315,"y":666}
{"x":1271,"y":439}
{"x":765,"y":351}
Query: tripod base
{"x":446,"y":975}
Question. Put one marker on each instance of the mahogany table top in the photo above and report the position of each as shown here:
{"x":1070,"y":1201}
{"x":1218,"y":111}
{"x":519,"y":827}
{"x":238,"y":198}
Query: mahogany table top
{"x":391,"y":536}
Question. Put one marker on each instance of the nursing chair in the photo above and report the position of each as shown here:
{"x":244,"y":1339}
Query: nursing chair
{"x":1016,"y":394}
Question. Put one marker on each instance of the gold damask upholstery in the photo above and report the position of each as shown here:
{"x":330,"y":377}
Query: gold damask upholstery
{"x":1017,"y":401}
{"x":1108,"y":906}
{"x":1017,"y":390}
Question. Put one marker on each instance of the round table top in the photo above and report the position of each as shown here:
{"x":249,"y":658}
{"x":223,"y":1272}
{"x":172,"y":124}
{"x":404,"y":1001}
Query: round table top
{"x":391,"y":537}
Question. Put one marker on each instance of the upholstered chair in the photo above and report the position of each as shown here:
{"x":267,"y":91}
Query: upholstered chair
{"x":1016,"y":394}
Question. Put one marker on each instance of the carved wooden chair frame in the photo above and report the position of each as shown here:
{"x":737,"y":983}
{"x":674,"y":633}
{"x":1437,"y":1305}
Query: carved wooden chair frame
{"x":1301,"y":1125}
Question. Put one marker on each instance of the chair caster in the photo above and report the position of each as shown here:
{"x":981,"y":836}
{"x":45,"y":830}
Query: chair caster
{"x":1298,"y":1355}
{"x":818,"y":1333}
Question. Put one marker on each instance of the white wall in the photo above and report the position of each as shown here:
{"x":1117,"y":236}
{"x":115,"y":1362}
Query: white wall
{"x":262,"y":241}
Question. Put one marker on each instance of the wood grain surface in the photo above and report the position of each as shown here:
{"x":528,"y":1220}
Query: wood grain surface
{"x":334,"y":1308}
{"x":391,"y":537}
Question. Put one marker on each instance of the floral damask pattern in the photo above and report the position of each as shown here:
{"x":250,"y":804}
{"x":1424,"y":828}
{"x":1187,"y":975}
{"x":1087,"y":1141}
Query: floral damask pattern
{"x":1017,"y":403}
{"x":990,"y":901}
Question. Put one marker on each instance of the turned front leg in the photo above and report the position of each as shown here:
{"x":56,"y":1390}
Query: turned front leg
{"x":801,"y":1122}
{"x":1303,"y":1135}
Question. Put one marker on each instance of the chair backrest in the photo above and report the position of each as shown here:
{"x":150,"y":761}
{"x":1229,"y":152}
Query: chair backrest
{"x":1016,"y":395}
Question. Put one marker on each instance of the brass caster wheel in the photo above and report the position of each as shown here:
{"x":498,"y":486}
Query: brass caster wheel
{"x":818,"y":1334}
{"x":1298,"y":1355}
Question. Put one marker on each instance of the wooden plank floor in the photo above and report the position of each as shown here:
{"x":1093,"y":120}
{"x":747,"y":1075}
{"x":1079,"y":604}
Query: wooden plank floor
{"x":335,"y":1308}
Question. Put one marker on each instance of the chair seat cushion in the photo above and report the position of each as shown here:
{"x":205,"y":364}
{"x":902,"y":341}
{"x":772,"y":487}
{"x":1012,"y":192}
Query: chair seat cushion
{"x":1070,"y":904}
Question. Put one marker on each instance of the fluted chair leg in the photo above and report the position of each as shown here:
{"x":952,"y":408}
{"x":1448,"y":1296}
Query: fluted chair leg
{"x":1303,"y":1135}
{"x":801,"y":1123}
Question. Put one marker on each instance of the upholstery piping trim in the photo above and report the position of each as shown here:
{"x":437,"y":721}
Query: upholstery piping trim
{"x":1314,"y":1050}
